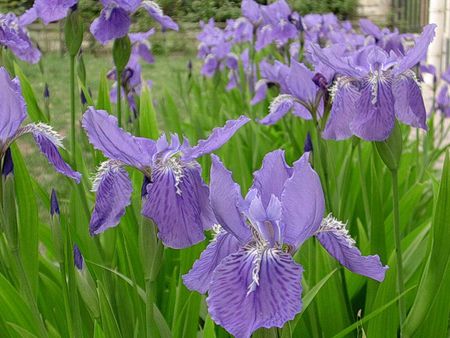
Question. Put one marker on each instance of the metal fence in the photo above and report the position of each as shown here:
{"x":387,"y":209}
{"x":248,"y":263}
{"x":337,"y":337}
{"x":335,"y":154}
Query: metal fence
{"x":410,"y":15}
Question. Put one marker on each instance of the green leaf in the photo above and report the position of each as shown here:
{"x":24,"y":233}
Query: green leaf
{"x":33,"y":109}
{"x":148,"y":125}
{"x":307,"y":300}
{"x":434,"y":285}
{"x":27,"y":218}
{"x":103,"y":101}
{"x":354,"y":326}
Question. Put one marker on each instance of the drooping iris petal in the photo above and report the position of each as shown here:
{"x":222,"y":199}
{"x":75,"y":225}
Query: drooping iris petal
{"x":113,"y":23}
{"x":225,"y":197}
{"x":342,"y":111}
{"x":255,"y":288}
{"x":336,"y":240}
{"x":303,"y":203}
{"x":270,"y":179}
{"x":113,"y":194}
{"x":279,"y":107}
{"x":199,"y":277}
{"x":53,"y":10}
{"x":12,"y":106}
{"x":105,"y":135}
{"x":375,"y":116}
{"x":157,"y":14}
{"x":48,"y":142}
{"x":418,"y":52}
{"x":409,"y":105}
{"x":176,"y":201}
{"x":217,"y":138}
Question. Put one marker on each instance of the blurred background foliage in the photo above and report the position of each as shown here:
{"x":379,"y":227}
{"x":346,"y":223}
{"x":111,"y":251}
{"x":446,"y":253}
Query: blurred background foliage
{"x":196,"y":10}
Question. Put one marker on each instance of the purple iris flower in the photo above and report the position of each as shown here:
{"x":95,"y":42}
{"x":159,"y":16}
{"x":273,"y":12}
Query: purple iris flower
{"x":248,"y":270}
{"x":13,"y":112}
{"x":276,"y":25}
{"x":215,"y":49}
{"x":443,"y":101}
{"x":252,"y":11}
{"x":373,"y":89}
{"x":299,"y":93}
{"x":48,"y":11}
{"x":13,"y":35}
{"x":132,"y":74}
{"x":175,"y":196}
{"x":114,"y":21}
{"x":384,"y":38}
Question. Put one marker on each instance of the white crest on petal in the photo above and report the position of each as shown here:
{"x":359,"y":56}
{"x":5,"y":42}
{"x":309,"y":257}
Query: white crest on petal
{"x":331,"y":224}
{"x":104,"y":168}
{"x":153,"y":5}
{"x":257,"y":257}
{"x":279,"y":100}
{"x":44,"y":130}
{"x":173,"y":164}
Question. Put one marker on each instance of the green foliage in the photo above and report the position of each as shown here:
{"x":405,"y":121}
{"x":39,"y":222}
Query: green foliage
{"x":345,"y":9}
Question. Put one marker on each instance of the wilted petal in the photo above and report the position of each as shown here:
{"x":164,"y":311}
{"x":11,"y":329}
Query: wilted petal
{"x":303,"y":203}
{"x":199,"y":277}
{"x":105,"y":135}
{"x":409,"y":105}
{"x":225,"y":197}
{"x":270,"y":179}
{"x":218,"y":137}
{"x":53,"y":10}
{"x":335,"y":238}
{"x":113,"y":23}
{"x":342,"y":111}
{"x":418,"y":52}
{"x":113,"y":194}
{"x":12,"y":106}
{"x":145,"y":53}
{"x":375,"y":116}
{"x":255,"y":288}
{"x":177,"y":201}
{"x":49,"y":142}
{"x":279,"y":107}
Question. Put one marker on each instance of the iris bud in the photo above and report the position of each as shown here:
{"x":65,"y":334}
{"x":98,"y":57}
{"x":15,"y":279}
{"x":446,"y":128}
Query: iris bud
{"x":121,"y":52}
{"x":390,"y":150}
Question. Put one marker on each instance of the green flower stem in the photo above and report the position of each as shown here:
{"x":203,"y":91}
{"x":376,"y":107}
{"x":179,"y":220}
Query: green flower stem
{"x":72,"y":111}
{"x":119,"y":97}
{"x":62,"y":272}
{"x":398,"y":248}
